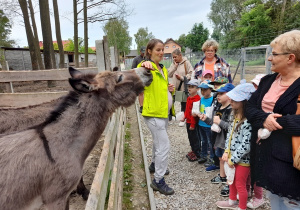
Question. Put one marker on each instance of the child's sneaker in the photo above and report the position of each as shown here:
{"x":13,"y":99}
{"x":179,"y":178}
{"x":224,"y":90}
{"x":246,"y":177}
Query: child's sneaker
{"x":218,"y":180}
{"x":162,"y":187}
{"x":227,"y":204}
{"x":190,"y":154}
{"x":225,"y":191}
{"x":209,"y":162}
{"x":192,"y":158}
{"x":202,"y":160}
{"x":255,"y":203}
{"x":212,"y":168}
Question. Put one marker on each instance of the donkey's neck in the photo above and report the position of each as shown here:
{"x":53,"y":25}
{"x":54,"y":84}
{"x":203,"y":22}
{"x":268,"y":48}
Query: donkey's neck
{"x":79,"y":127}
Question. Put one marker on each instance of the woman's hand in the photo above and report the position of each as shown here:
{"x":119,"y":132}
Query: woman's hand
{"x":147,"y":65}
{"x":171,"y":87}
{"x":225,"y":157}
{"x":217,"y":120}
{"x":178,"y":77}
{"x":271,"y":123}
{"x":231,"y":166}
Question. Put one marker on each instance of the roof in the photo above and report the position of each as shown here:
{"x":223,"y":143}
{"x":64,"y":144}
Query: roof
{"x":132,"y":53}
{"x":171,"y":40}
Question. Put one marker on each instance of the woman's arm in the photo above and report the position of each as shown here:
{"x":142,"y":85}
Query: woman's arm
{"x":172,"y":69}
{"x":290,"y":124}
{"x":189,"y":69}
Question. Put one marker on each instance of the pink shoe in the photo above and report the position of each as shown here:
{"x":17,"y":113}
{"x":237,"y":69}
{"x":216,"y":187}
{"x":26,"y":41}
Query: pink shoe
{"x":226,"y":205}
{"x":255,"y":203}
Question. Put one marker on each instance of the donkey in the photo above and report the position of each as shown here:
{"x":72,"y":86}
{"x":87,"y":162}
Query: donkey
{"x":19,"y":119}
{"x":43,"y":164}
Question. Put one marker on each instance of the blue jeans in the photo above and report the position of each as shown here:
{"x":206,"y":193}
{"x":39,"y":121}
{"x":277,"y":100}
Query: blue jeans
{"x":282,"y":203}
{"x":205,"y":136}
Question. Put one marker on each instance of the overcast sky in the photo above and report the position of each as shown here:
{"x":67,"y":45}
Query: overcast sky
{"x":164,"y":18}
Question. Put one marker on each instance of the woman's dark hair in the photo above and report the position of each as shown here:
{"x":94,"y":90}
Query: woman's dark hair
{"x":151,"y":44}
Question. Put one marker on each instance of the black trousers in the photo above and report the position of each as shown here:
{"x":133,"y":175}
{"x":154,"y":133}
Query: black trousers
{"x":194,"y":139}
{"x":213,"y":141}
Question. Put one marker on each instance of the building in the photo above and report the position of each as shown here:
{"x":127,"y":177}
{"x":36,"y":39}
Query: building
{"x":170,"y":46}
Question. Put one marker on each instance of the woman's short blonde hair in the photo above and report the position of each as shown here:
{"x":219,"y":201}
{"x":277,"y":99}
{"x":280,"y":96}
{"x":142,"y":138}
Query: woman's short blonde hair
{"x":210,"y":43}
{"x":289,"y":42}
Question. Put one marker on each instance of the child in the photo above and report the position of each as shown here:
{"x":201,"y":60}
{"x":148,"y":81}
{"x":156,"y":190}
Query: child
{"x":220,"y":115}
{"x":237,"y":152}
{"x":204,"y":129}
{"x":191,"y":121}
{"x":207,"y":75}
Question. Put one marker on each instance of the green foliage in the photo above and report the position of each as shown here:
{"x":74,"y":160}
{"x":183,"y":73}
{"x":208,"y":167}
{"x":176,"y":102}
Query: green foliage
{"x":196,"y":37}
{"x":254,"y":22}
{"x":127,"y":175}
{"x":142,"y":37}
{"x":70,"y":46}
{"x":117,"y":34}
{"x":182,"y":42}
{"x":5,"y":30}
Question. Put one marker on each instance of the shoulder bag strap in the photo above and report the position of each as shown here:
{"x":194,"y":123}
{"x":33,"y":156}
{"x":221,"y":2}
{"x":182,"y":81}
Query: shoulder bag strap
{"x":185,"y":68}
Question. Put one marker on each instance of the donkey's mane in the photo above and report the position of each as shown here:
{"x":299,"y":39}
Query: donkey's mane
{"x":69,"y":100}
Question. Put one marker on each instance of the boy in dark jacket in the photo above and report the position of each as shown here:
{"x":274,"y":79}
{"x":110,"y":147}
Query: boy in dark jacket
{"x":191,"y":121}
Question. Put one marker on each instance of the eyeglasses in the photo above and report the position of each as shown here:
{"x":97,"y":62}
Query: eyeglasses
{"x":276,"y":54}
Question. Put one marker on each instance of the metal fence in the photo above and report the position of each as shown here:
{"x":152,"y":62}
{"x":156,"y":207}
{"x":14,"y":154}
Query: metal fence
{"x":244,"y":62}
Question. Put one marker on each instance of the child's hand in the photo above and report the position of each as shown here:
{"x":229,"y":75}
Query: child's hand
{"x":192,"y":128}
{"x":182,"y":120}
{"x":225,"y":157}
{"x":194,"y":114}
{"x":203,"y":117}
{"x":217,"y":120}
{"x":171,"y":87}
{"x":231,"y":166}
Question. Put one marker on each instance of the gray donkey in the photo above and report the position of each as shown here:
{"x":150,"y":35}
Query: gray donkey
{"x":18,"y":119}
{"x":43,"y":164}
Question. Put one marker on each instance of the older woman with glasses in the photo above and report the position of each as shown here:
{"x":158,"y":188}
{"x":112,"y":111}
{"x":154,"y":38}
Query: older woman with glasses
{"x":212,"y":63}
{"x":273,"y":107}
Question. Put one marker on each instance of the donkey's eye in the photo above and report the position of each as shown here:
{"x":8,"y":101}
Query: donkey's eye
{"x":120,"y":78}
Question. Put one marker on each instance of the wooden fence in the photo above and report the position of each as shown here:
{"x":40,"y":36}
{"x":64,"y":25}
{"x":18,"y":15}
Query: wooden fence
{"x":110,"y":167}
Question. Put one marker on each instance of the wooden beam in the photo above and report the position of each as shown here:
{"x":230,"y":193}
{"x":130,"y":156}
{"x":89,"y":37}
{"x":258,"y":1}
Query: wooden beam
{"x":28,"y":99}
{"x":42,"y":75}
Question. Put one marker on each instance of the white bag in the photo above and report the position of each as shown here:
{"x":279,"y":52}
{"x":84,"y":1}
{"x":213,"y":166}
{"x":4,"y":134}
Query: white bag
{"x":209,"y":111}
{"x":196,"y":108}
{"x":230,"y":172}
{"x":216,"y":128}
{"x":179,"y":116}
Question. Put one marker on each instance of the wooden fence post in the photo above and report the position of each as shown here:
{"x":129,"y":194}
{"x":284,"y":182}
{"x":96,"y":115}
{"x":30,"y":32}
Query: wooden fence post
{"x":100,"y":55}
{"x":243,"y":63}
{"x":112,"y":57}
{"x":268,"y":63}
{"x":106,"y":54}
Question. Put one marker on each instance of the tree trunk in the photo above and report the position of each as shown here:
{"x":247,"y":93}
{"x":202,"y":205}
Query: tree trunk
{"x":36,"y":37}
{"x":282,"y":17}
{"x":75,"y":33}
{"x":30,"y":39}
{"x":86,"y":41}
{"x":47,"y":36}
{"x":58,"y":35}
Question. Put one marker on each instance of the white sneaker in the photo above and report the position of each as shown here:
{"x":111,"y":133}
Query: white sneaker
{"x":255,"y":203}
{"x":181,"y":124}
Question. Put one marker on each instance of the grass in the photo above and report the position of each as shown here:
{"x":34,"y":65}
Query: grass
{"x":127,"y":176}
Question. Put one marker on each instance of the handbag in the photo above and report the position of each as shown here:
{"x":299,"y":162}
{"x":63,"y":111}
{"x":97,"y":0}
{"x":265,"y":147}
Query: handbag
{"x":296,"y":143}
{"x":180,"y":95}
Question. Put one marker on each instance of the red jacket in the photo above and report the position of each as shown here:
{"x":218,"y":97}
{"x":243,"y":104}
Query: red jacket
{"x":188,"y":110}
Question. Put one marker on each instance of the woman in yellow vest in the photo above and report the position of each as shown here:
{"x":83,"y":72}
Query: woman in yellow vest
{"x":156,"y":105}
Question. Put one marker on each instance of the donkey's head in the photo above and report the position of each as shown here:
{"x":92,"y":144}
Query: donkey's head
{"x":120,"y":87}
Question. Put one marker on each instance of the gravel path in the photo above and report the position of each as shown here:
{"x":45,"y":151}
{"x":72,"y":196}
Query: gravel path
{"x":189,"y":180}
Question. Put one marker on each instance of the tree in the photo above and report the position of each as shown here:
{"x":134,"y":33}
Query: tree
{"x":49,"y":58}
{"x":196,"y":37}
{"x":58,"y":35}
{"x":75,"y":33}
{"x":30,"y":37}
{"x":5,"y":30}
{"x":182,"y":42}
{"x":36,"y":37}
{"x":117,"y":34}
{"x":142,"y":37}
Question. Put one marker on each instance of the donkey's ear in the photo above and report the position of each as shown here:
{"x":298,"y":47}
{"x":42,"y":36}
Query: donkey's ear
{"x":74,"y":73}
{"x":80,"y":85}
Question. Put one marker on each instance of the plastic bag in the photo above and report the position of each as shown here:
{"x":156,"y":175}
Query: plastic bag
{"x":179,"y":116}
{"x":209,"y":111}
{"x":196,"y":108}
{"x":230,"y":172}
{"x":216,"y":128}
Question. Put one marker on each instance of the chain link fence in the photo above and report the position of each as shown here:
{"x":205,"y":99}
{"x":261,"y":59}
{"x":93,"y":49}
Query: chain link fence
{"x":244,"y":63}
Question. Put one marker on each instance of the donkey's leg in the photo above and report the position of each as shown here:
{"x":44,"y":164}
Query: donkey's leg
{"x":82,"y":190}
